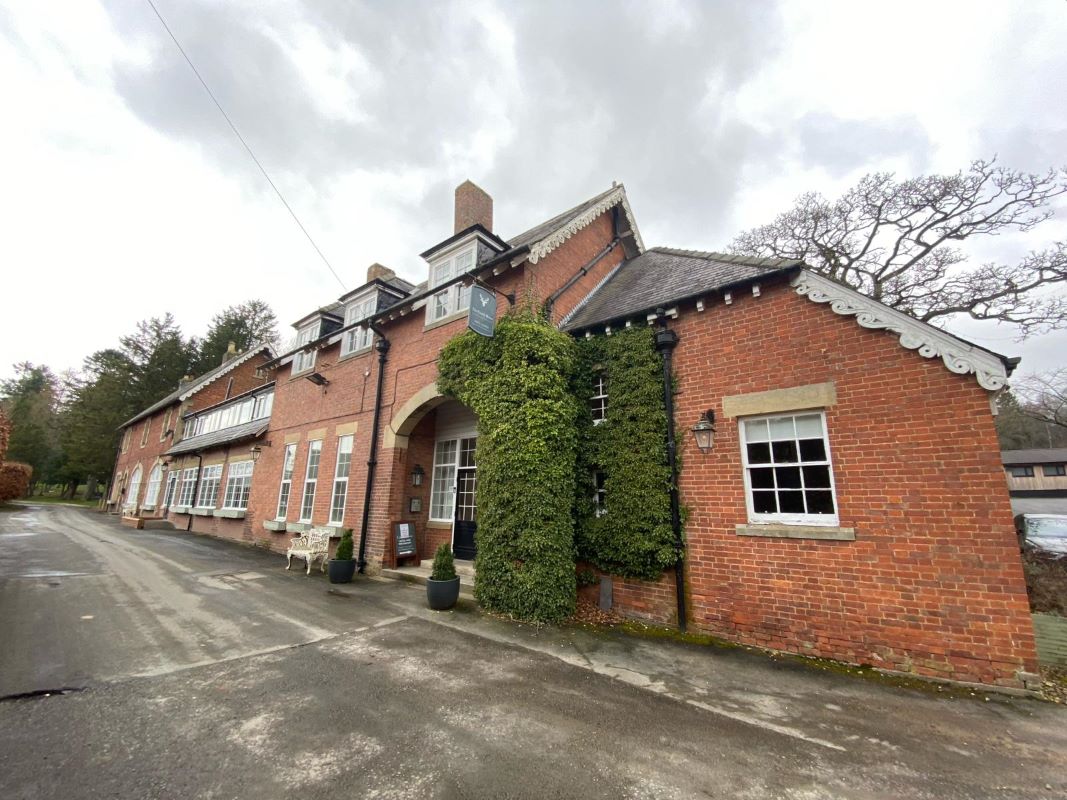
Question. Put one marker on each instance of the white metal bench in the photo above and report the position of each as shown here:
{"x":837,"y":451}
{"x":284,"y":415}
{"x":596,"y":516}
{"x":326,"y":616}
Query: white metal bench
{"x":310,"y":545}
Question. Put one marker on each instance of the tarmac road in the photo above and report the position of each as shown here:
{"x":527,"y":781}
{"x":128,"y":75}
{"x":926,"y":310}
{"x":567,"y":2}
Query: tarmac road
{"x":191,"y":668}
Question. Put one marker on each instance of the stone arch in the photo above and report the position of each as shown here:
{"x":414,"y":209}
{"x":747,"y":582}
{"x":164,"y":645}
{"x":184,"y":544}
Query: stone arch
{"x":410,"y":414}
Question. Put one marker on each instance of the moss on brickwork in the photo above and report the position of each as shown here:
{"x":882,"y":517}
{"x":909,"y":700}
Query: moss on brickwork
{"x":519,"y":383}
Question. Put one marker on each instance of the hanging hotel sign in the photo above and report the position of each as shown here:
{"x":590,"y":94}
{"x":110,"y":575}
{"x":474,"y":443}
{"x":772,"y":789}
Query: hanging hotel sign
{"x":482,"y":316}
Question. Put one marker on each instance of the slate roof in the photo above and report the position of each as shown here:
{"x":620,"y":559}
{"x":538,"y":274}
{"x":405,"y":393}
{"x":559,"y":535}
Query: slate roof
{"x":662,"y":276}
{"x":550,"y":226}
{"x":196,"y":384}
{"x":1054,"y":455}
{"x":205,"y":441}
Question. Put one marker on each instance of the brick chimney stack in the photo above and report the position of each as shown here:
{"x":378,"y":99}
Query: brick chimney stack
{"x":376,"y":270}
{"x":473,"y":207}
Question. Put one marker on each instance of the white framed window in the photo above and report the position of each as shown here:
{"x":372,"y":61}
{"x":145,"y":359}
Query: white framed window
{"x":263,"y":405}
{"x":172,"y":485}
{"x":238,"y":485}
{"x":210,"y":479}
{"x":598,"y":402}
{"x":788,"y":474}
{"x":126,"y":439}
{"x":303,"y":361}
{"x":311,"y":480}
{"x":134,"y":488}
{"x":340,"y":480}
{"x":358,"y":338}
{"x":151,"y":492}
{"x":165,"y":426}
{"x":600,"y":506}
{"x":287,"y":481}
{"x":144,"y":431}
{"x":185,"y":497}
{"x":442,"y":490}
{"x":456,"y":297}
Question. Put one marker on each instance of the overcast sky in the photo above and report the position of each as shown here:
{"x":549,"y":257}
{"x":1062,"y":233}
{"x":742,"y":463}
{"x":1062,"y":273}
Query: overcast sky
{"x":124,"y":195}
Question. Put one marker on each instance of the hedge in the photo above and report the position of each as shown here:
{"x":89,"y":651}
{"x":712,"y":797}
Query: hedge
{"x":14,"y":480}
{"x":520,"y":384}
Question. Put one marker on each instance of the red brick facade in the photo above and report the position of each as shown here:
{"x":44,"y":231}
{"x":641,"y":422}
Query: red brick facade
{"x":931,"y":584}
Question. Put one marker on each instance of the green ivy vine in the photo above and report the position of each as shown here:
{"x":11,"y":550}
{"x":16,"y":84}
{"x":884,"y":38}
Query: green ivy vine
{"x":520,"y":384}
{"x":633,"y":538}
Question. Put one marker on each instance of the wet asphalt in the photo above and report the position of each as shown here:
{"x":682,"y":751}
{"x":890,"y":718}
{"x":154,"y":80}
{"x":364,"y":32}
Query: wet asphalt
{"x":153,"y":664}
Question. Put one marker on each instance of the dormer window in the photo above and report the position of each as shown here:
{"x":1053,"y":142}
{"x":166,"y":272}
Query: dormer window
{"x":302,"y":360}
{"x":457,"y":297}
{"x":357,"y":310}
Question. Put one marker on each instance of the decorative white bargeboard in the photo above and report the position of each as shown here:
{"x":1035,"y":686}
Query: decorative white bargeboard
{"x":930,"y":342}
{"x":310,"y":545}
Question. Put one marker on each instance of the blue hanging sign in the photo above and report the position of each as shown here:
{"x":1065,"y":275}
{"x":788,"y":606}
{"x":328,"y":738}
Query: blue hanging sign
{"x":482,"y":316}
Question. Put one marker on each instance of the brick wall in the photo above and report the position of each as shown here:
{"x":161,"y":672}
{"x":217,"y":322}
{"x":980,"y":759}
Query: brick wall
{"x":932,"y":583}
{"x":244,"y":379}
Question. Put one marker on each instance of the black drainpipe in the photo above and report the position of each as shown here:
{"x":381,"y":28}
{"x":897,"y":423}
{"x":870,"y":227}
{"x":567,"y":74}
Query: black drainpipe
{"x":552,"y":298}
{"x":196,"y":489}
{"x":666,"y":341}
{"x":382,"y":345}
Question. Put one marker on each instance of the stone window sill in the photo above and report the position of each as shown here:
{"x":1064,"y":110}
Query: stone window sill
{"x":202,"y":512}
{"x":148,"y":508}
{"x":231,"y":513}
{"x":180,"y":510}
{"x":297,"y":527}
{"x":827,"y":532}
{"x":445,"y":320}
{"x":276,"y":525}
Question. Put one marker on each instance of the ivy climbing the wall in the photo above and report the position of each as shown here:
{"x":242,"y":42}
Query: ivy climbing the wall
{"x":632,"y":534}
{"x":520,"y":384}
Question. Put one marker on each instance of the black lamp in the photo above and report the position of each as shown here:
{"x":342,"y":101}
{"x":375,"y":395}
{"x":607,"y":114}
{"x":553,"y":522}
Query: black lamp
{"x":417,"y":475}
{"x":704,"y":431}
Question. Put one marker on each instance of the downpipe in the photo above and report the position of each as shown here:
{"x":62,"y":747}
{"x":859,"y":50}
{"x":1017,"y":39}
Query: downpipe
{"x":382,"y":345}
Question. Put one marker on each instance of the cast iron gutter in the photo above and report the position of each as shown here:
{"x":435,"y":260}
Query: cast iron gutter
{"x":581,"y":273}
{"x":382,"y":345}
{"x":666,"y":341}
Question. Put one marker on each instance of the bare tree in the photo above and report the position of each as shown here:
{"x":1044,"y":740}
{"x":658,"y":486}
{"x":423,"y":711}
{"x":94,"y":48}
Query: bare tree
{"x":1044,"y":397}
{"x":897,"y":241}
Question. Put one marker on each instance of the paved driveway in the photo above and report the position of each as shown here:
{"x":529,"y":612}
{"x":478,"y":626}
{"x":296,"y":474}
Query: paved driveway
{"x":202,"y":669}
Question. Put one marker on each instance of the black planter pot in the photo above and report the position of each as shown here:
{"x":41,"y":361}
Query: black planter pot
{"x":342,"y":571}
{"x":442,"y":595}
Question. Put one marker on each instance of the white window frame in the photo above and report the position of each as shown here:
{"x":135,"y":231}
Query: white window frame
{"x":314,"y":448}
{"x":263,"y":404}
{"x":285,"y":488}
{"x":187,"y":494}
{"x":305,"y":361}
{"x":172,"y":487}
{"x":134,"y":488}
{"x":145,"y":430}
{"x":238,"y":485}
{"x":340,"y":481}
{"x":600,"y":505}
{"x":599,"y":409}
{"x":165,"y":426}
{"x":151,"y":492}
{"x":210,"y":477}
{"x":457,"y":297}
{"x":359,"y":339}
{"x":828,"y":520}
{"x":443,"y":479}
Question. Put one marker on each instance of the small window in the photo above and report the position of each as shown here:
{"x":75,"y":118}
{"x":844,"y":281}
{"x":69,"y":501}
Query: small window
{"x":165,"y":426}
{"x":1054,"y":470}
{"x":1021,"y":472}
{"x":208,"y":495}
{"x":598,"y":403}
{"x":600,"y":507}
{"x":303,"y":361}
{"x":456,"y":297}
{"x":358,"y":339}
{"x":788,"y":475}
{"x":185,"y":496}
{"x":264,"y":405}
{"x":238,"y":485}
{"x":126,"y":440}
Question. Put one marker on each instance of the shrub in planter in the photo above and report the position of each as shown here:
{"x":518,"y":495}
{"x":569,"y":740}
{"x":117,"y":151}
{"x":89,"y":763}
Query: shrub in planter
{"x":342,"y":565}
{"x":442,"y":588}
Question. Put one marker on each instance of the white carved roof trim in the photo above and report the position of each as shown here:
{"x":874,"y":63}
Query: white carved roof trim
{"x":930,"y":342}
{"x":545,"y":246}
{"x":236,"y":361}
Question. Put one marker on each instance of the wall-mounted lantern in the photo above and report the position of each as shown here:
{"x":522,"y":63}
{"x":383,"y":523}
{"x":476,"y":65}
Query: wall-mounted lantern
{"x":704,"y":431}
{"x":164,"y":466}
{"x":255,"y":451}
{"x":417,"y":475}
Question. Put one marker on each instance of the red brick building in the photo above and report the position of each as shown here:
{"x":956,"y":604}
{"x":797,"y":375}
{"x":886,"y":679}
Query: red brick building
{"x":142,"y":483}
{"x":851,"y":506}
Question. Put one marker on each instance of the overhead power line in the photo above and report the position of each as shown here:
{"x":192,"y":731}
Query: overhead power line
{"x":241,"y":139}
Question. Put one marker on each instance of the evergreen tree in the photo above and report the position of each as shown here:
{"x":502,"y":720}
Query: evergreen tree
{"x":244,"y":324}
{"x":30,"y":402}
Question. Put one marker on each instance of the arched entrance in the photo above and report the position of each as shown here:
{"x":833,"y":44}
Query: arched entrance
{"x":438,"y":437}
